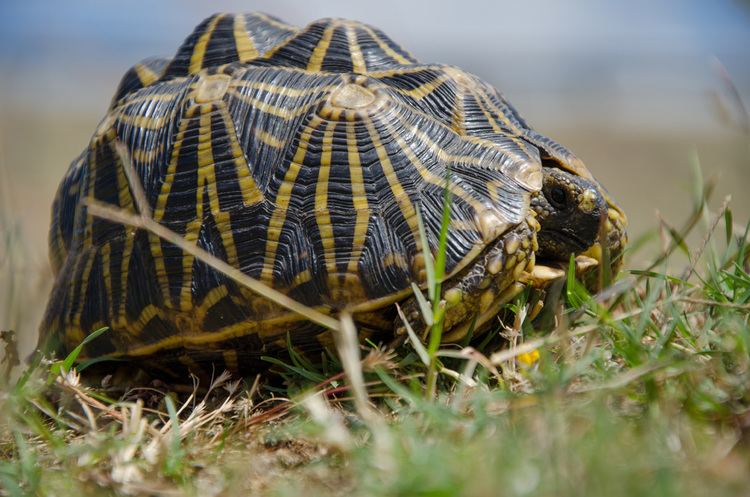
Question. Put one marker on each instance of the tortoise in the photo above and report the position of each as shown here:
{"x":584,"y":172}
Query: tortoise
{"x":305,"y":158}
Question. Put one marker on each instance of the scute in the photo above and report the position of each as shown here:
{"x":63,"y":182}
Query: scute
{"x":143,"y":74}
{"x":335,"y":45}
{"x":225,"y":39}
{"x":352,"y":96}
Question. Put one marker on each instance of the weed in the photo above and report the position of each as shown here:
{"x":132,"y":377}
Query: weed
{"x":641,"y":389}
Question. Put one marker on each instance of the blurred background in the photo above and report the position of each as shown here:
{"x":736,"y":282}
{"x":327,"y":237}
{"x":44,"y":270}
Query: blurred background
{"x":640,"y":90}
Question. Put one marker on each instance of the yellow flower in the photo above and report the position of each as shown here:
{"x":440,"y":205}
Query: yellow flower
{"x":529,"y":358}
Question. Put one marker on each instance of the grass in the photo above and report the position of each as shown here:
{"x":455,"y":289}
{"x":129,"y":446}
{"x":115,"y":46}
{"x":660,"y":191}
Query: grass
{"x":643,"y":389}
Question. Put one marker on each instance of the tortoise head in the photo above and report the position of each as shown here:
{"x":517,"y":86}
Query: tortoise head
{"x":571,"y":211}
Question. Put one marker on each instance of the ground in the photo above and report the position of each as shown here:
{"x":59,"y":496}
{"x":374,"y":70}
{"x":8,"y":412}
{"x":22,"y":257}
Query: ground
{"x":642,"y":389}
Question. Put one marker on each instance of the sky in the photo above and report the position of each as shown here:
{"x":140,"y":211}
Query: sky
{"x":648,"y":63}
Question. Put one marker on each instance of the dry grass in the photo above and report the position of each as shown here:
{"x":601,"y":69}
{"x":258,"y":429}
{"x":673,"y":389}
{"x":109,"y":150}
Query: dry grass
{"x":643,"y":389}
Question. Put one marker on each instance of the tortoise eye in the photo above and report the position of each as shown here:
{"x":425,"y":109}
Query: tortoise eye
{"x":557,"y":197}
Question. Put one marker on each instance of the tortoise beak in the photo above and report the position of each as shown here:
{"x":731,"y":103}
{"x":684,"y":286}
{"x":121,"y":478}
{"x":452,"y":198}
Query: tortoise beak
{"x":608,"y":251}
{"x":613,"y":236}
{"x":543,"y":275}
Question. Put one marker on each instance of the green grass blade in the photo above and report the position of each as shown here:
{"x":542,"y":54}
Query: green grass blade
{"x":427,"y":254}
{"x":67,"y":363}
{"x":424,"y":306}
{"x":304,"y":373}
{"x":174,"y":461}
{"x":424,"y":356}
{"x":728,"y":225}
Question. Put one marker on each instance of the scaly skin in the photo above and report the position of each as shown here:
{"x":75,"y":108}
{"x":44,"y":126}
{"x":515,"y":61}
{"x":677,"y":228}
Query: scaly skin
{"x":568,"y":215}
{"x":571,"y":211}
{"x":482,"y":288}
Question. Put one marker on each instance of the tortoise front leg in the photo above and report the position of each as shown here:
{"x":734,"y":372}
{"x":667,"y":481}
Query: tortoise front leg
{"x":481,"y":289}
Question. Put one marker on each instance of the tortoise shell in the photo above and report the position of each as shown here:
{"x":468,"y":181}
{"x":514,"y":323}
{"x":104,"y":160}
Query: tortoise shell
{"x":302,"y":157}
